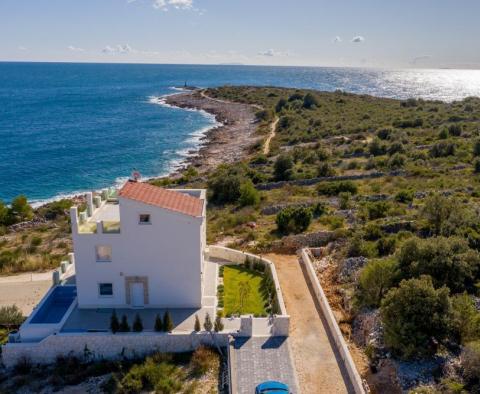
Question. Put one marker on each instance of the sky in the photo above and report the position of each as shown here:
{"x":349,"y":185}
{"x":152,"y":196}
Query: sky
{"x":353,"y":33}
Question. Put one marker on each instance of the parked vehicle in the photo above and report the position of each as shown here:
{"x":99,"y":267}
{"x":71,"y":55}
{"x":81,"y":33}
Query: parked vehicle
{"x":272,"y":387}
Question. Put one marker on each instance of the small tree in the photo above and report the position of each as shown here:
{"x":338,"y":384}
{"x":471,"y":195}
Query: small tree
{"x":114,"y":324}
{"x":470,"y":360}
{"x":283,"y":167}
{"x":207,"y":324}
{"x":248,"y":194}
{"x":376,"y":278}
{"x":124,"y":326}
{"x":197,"y":326}
{"x":309,"y":101}
{"x":21,"y":209}
{"x":465,"y":318}
{"x":137,"y":324}
{"x":167,"y":321}
{"x":218,"y":326}
{"x":416,"y":317}
{"x":158,"y":326}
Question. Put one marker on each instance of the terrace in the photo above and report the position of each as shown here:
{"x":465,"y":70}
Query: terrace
{"x":104,"y":215}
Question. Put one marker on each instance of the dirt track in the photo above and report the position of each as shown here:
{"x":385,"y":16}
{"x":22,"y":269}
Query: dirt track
{"x":315,"y":361}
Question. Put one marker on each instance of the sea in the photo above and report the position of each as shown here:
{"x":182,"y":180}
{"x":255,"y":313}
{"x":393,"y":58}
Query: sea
{"x":69,"y":127}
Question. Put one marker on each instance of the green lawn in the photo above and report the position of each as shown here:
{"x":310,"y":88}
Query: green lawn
{"x":243,"y":291}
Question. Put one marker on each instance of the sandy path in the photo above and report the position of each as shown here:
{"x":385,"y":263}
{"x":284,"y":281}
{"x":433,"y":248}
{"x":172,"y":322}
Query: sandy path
{"x":26,"y":295}
{"x":315,"y":361}
{"x":273,"y":127}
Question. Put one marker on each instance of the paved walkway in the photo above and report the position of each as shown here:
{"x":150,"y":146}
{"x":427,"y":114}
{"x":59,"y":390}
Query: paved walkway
{"x":258,"y":359}
{"x":316,"y":361}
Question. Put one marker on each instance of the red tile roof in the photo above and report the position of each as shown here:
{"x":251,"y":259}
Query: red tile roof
{"x":167,"y":199}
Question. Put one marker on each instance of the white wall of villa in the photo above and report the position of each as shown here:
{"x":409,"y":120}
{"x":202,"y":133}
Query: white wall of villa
{"x":166,"y":257}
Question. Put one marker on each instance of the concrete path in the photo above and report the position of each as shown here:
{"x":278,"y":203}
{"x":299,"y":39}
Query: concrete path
{"x":258,"y":359}
{"x":316,"y":361}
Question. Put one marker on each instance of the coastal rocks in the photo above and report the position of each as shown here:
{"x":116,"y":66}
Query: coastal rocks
{"x":35,"y":222}
{"x":350,"y":269}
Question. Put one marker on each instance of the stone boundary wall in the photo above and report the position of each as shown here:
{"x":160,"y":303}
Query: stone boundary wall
{"x":333,"y":328}
{"x":313,"y":181}
{"x":107,"y":346}
{"x":291,"y":243}
{"x":239,"y":257}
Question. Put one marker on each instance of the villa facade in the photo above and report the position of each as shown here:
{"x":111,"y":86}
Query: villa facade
{"x":143,"y":249}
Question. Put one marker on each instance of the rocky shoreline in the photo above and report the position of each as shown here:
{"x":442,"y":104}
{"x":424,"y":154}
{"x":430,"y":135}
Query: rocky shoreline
{"x":226,"y":143}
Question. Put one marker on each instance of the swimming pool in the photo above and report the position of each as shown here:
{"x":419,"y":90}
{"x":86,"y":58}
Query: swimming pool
{"x":55,"y":306}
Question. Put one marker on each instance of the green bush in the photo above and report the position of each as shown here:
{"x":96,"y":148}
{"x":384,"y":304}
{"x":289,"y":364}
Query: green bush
{"x":449,"y":262}
{"x":21,"y":209}
{"x":197,"y":326}
{"x":248,"y":194}
{"x":476,"y":166}
{"x":137,"y":324}
{"x":465,"y":318}
{"x":158,"y":326}
{"x":376,"y":148}
{"x":415,"y":317}
{"x":114,"y":323}
{"x":336,"y":187}
{"x":124,"y":326}
{"x":283,"y":167}
{"x":470,"y":361}
{"x":207,"y":324}
{"x":167,"y":321}
{"x":404,"y":196}
{"x":325,"y":170}
{"x":310,"y":101}
{"x":11,"y":316}
{"x":443,"y":149}
{"x":225,"y":186}
{"x":375,"y":280}
{"x":294,"y":220}
{"x":203,"y":360}
{"x":377,"y":210}
{"x":386,"y":245}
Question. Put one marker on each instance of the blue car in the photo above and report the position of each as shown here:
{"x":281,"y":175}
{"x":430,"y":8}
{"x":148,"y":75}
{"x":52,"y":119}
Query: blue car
{"x":272,"y":387}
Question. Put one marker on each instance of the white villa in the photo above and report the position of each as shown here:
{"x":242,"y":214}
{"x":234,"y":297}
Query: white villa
{"x":144,"y":249}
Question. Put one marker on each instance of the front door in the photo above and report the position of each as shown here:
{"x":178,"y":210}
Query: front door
{"x":137,"y":295}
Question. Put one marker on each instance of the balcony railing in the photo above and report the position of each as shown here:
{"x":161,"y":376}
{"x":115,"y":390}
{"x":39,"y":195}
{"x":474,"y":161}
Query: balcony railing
{"x":111,"y":227}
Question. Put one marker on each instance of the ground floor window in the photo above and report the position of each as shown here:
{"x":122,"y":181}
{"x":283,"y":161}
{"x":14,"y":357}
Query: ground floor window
{"x":105,"y":289}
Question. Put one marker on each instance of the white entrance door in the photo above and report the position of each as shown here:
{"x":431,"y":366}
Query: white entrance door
{"x":137,"y":295}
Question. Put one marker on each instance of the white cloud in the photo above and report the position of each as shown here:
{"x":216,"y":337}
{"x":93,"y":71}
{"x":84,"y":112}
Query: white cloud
{"x":272,"y":53}
{"x":165,"y":5}
{"x":75,"y":49}
{"x":337,"y":39}
{"x":22,"y":48}
{"x":119,"y":48}
{"x":357,"y":39}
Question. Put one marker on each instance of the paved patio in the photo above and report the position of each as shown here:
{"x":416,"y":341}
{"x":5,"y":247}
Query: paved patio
{"x":81,"y":320}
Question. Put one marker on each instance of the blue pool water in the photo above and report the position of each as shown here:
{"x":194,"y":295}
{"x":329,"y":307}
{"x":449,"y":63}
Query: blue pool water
{"x":55,"y":306}
{"x":67,"y":128}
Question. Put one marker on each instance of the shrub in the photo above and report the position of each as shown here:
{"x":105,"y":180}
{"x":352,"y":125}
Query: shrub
{"x":158,"y":326}
{"x":225,"y":184}
{"x":114,"y":324}
{"x":386,"y":246}
{"x":309,"y":101}
{"x":344,"y":198}
{"x":324,"y":170}
{"x":404,"y":310}
{"x":137,"y":324}
{"x":375,"y":280}
{"x":396,"y":161}
{"x":293,"y":219}
{"x":376,"y":148}
{"x":21,"y":209}
{"x":470,"y":360}
{"x":283,"y":167}
{"x":11,"y":316}
{"x":384,"y":134}
{"x":336,"y":187}
{"x":476,"y":148}
{"x":443,"y":134}
{"x":280,"y":104}
{"x":442,"y":149}
{"x":167,"y":321}
{"x":207,"y":324}
{"x":377,"y":210}
{"x":263,"y":114}
{"x":396,"y":147}
{"x":196,"y":326}
{"x":218,"y":325}
{"x":476,"y":166}
{"x":455,"y":130}
{"x":203,"y":360}
{"x":449,"y":262}
{"x":124,"y":326}
{"x":465,"y":318}
{"x":404,"y":196}
{"x":248,"y":194}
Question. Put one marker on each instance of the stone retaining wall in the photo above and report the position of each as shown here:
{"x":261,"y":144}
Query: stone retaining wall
{"x":313,"y":181}
{"x":292,"y":243}
{"x":332,"y":326}
{"x":107,"y":346}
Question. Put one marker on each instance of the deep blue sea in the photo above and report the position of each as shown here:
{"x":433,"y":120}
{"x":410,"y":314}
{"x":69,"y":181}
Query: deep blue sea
{"x":66,"y":128}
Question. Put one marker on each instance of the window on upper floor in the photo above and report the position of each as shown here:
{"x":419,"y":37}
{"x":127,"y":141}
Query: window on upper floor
{"x":103,"y":253}
{"x":105,"y":289}
{"x":144,"y":218}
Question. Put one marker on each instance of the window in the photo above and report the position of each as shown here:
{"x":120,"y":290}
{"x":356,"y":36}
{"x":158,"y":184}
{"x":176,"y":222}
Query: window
{"x":104,"y":253}
{"x":144,"y":218}
{"x":105,"y":289}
